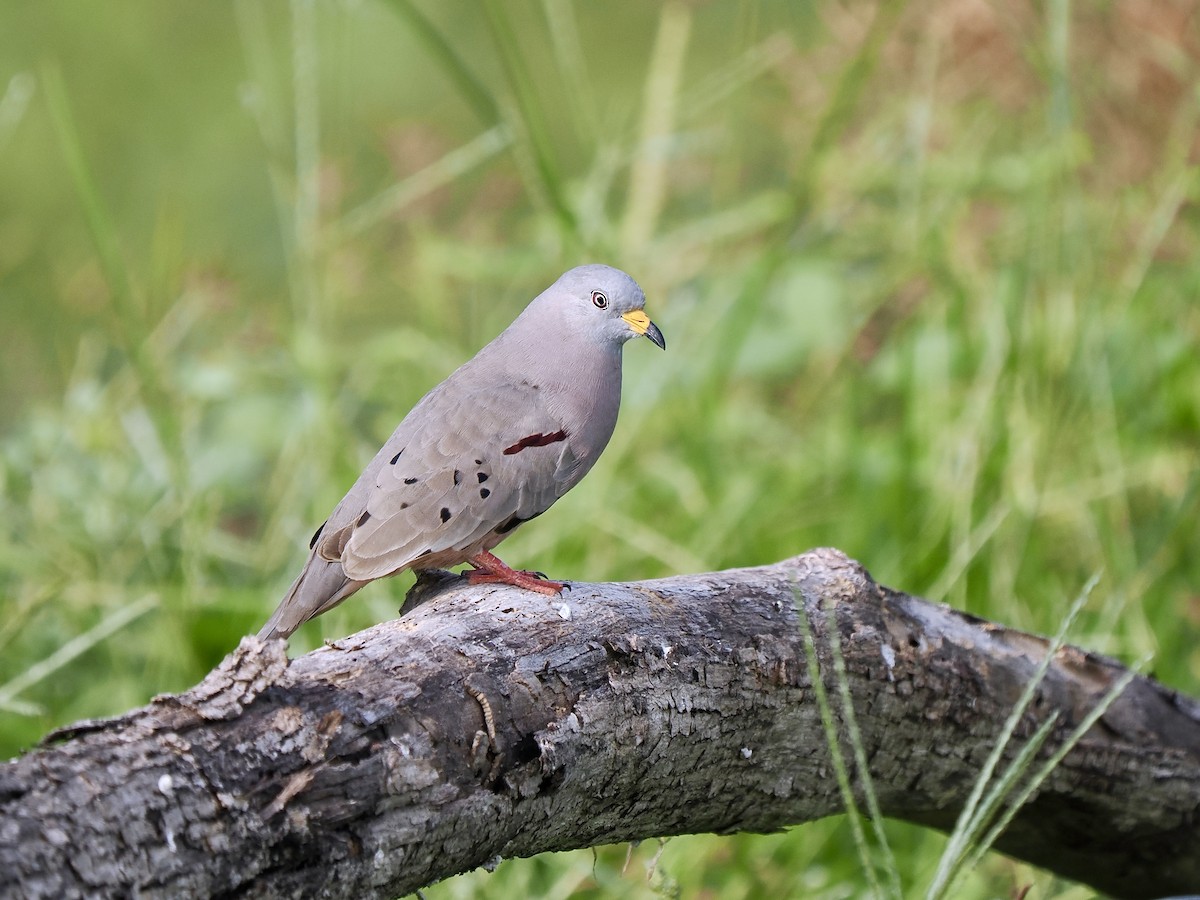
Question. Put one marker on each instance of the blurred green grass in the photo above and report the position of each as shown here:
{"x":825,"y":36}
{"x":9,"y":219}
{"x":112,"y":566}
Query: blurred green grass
{"x":928,"y":276}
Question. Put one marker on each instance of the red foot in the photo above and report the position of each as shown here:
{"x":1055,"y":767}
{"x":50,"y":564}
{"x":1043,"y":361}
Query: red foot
{"x":490,"y":569}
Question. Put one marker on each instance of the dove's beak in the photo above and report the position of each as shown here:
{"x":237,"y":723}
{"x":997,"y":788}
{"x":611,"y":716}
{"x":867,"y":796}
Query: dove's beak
{"x":641,"y":324}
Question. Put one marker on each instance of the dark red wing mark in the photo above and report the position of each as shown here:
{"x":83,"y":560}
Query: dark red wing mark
{"x":535,"y":440}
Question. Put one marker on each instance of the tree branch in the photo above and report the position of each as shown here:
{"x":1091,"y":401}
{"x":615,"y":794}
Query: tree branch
{"x":495,"y":722}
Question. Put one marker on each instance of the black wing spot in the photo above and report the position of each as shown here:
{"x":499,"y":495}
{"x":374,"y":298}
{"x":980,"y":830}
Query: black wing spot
{"x":484,"y":493}
{"x":514,"y":522}
{"x":457,"y":476}
{"x":445,"y":514}
{"x":404,"y":506}
{"x":362,"y":520}
{"x":410,"y":481}
{"x":482,"y":476}
{"x":397,"y":456}
{"x":317,"y":534}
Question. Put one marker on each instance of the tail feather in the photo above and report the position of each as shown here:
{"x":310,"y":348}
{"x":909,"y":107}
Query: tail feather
{"x":320,"y":587}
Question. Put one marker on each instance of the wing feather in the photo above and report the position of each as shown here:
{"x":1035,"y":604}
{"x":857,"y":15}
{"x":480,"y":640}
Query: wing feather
{"x":448,"y":483}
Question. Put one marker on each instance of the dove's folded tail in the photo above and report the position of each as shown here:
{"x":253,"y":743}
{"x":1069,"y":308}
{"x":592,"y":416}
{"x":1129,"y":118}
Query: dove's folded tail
{"x":321,"y":586}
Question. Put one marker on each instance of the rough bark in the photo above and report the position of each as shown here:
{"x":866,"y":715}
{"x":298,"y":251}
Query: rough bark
{"x":494,"y":722}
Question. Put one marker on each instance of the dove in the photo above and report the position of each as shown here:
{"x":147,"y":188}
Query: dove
{"x":493,"y":446}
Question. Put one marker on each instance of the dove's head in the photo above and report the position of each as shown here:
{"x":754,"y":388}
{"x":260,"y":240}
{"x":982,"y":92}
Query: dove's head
{"x":600,"y":304}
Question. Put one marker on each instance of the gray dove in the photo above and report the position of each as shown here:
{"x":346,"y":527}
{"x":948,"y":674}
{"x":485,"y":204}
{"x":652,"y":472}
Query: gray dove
{"x":491,"y":447}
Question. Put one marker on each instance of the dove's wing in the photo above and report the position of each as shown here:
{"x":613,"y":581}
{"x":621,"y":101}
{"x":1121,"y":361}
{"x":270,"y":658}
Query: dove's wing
{"x":469,"y":464}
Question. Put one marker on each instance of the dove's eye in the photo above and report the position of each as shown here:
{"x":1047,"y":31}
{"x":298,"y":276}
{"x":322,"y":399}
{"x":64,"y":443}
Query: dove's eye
{"x":600,"y":301}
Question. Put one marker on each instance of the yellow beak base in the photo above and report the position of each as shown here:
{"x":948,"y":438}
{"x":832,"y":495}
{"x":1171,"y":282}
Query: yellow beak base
{"x":640,"y":323}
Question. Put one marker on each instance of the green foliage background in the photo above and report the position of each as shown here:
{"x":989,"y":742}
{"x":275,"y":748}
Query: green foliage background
{"x":928,"y":274}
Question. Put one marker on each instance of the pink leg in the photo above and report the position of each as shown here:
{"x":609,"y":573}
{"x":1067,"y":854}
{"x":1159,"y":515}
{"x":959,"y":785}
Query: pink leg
{"x":490,"y":569}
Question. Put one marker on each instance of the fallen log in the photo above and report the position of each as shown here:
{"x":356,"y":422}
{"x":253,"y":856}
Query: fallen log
{"x":492,"y":722}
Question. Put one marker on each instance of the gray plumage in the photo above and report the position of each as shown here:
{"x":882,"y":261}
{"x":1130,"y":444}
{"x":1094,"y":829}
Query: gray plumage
{"x":492,"y":446}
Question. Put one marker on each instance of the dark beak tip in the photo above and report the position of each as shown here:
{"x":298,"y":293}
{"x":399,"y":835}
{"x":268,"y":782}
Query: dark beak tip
{"x":656,"y":336}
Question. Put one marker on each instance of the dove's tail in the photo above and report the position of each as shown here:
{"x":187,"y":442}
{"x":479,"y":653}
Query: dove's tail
{"x":320,"y":587}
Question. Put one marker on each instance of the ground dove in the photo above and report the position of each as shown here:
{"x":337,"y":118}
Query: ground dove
{"x":491,"y":447}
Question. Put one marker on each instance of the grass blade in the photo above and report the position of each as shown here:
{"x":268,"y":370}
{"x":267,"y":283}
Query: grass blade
{"x":850,"y":85}
{"x":648,"y":179}
{"x":438,"y":174}
{"x":78,"y":645}
{"x":841,"y":773}
{"x":532,"y":120}
{"x":306,"y":210}
{"x":14,"y":104}
{"x":974,"y":814}
{"x":571,"y":61}
{"x":100,"y":225}
{"x":472,"y":90}
{"x":888,"y":861}
{"x":1019,"y":800}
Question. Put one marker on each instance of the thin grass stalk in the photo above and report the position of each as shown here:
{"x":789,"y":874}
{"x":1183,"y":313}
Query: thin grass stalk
{"x":992,"y":800}
{"x":438,"y":174}
{"x":1058,"y":32}
{"x":130,"y":330}
{"x":532,"y":119}
{"x":699,"y":96}
{"x":860,"y":756}
{"x":14,"y":104}
{"x":832,"y":739}
{"x":1181,"y":186}
{"x":78,"y":645}
{"x":307,"y":152}
{"x":648,"y":178}
{"x":473,"y":92}
{"x":571,"y":61}
{"x":969,"y":820}
{"x":738,"y":322}
{"x":850,"y":85}
{"x":1022,"y":797}
{"x":261,"y":100}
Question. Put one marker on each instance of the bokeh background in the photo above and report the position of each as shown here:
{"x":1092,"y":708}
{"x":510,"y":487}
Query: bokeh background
{"x":928,"y":272}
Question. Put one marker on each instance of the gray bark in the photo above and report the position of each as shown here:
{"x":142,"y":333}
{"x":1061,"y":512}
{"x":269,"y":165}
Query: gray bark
{"x":486,"y":722}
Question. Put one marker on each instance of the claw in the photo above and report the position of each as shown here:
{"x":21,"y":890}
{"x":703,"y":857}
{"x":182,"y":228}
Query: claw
{"x":490,"y":569}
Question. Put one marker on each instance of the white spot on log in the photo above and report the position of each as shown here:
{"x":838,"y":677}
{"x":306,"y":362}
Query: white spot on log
{"x":402,"y":747}
{"x":170,"y":840}
{"x":230,"y":801}
{"x":889,"y":659}
{"x":564,"y":612}
{"x":747,"y":753}
{"x":494,"y":863}
{"x":166,"y":785}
